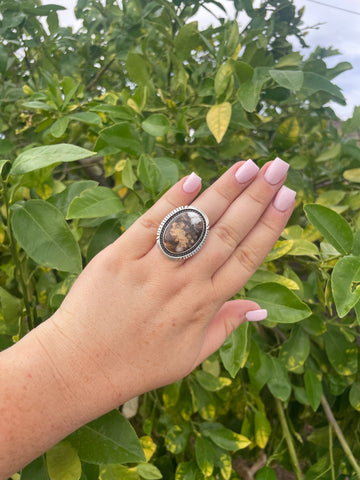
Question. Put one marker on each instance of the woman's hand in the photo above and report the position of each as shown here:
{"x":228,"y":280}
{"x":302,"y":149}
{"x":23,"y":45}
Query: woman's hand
{"x":136,"y":320}
{"x":143,"y":320}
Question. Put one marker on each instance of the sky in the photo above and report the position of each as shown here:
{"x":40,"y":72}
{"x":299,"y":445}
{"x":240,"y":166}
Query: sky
{"x":338,"y":28}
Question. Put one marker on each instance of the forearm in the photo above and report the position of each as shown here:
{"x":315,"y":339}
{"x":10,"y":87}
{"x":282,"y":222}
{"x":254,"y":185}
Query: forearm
{"x":49,"y":388}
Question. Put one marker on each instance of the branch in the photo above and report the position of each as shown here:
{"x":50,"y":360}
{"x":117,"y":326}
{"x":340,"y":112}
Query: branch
{"x":345,"y":446}
{"x":289,"y":441}
{"x":99,"y":74}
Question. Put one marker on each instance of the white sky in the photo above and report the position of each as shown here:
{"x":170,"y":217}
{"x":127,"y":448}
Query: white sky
{"x":339,"y":29}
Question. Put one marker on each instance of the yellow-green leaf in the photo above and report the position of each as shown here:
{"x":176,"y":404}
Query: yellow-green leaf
{"x":262,"y":429}
{"x":218,"y":119}
{"x":353,"y":175}
{"x":63,"y":462}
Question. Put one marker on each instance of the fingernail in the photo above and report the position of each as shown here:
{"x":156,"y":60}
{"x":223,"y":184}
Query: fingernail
{"x":256,"y":315}
{"x":284,"y":198}
{"x":192,"y":183}
{"x":276,"y":171}
{"x":246,"y":172}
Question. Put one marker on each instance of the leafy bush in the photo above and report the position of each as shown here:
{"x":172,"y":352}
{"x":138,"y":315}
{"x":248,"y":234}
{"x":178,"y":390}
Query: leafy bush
{"x":95,"y":125}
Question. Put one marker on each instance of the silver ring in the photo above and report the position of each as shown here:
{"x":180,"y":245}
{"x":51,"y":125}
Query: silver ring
{"x":183,"y":232}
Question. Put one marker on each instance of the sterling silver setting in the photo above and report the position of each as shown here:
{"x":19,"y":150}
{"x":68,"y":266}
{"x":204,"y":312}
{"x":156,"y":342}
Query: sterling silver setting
{"x":189,"y":217}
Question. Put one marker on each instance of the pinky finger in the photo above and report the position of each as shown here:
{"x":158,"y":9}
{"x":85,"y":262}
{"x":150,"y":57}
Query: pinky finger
{"x":225,"y":321}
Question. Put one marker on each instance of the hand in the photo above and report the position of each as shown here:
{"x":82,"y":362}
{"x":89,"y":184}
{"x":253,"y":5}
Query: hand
{"x":142,"y":320}
{"x":136,"y":320}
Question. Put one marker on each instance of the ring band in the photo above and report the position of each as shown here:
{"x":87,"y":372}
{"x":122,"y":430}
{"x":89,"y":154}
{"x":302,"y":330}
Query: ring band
{"x":183,"y":232}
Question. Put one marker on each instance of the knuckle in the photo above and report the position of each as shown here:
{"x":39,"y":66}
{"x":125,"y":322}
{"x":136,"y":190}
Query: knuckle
{"x":227,"y":235}
{"x":148,"y":222}
{"x":257,"y":198}
{"x":224,"y":194}
{"x":247,"y":258}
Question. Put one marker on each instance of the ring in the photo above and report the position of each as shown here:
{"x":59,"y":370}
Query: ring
{"x":183,"y":232}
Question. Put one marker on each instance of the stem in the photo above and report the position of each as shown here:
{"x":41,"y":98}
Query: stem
{"x":18,"y":266}
{"x":289,"y":440}
{"x":345,"y":446}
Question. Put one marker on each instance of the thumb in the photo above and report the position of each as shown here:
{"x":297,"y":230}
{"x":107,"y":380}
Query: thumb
{"x":232,"y":314}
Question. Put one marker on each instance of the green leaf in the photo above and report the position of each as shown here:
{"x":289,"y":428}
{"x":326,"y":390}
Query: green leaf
{"x":287,"y":133}
{"x":177,"y":438}
{"x":38,"y":105}
{"x":63,"y":199}
{"x":128,"y":177}
{"x":354,"y":396}
{"x":295,"y":350}
{"x":211,"y":383}
{"x":235,"y":350}
{"x":262,"y":429}
{"x":63,"y":462}
{"x":121,"y":137}
{"x":137,"y":68}
{"x":345,"y":284}
{"x":218,"y":119}
{"x":36,"y":470}
{"x":332,"y":226}
{"x":187,"y":471}
{"x":223,"y":437}
{"x":315,"y":83}
{"x":148,"y":174}
{"x":86,"y":117}
{"x":352,"y":175}
{"x":43,"y":233}
{"x":342,"y":354}
{"x":169,"y":172}
{"x":3,"y":59}
{"x":290,"y":79}
{"x":106,"y":233}
{"x":171,"y":393}
{"x":279,"y":383}
{"x":117,"y":472}
{"x":249,"y":95}
{"x":148,"y":471}
{"x":186,"y":40}
{"x":5,"y":167}
{"x":313,"y":388}
{"x":282,"y":304}
{"x":222,"y":79}
{"x":59,"y":127}
{"x":329,"y":154}
{"x":108,"y":439}
{"x":205,"y":455}
{"x":40,"y":157}
{"x":266,"y":473}
{"x":156,"y":125}
{"x":243,"y":71}
{"x":259,"y":367}
{"x":95,"y":202}
{"x":10,"y":308}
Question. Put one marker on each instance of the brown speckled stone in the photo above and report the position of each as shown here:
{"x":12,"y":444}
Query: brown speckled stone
{"x":183,"y":232}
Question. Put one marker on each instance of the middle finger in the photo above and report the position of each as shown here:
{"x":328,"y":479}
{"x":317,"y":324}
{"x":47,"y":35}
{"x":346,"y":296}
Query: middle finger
{"x":240,"y":217}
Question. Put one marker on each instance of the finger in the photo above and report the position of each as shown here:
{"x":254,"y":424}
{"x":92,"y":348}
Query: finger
{"x":241,"y":217}
{"x":141,"y":237}
{"x":213,"y":201}
{"x":252,"y":251}
{"x":217,"y":199}
{"x":226,"y":320}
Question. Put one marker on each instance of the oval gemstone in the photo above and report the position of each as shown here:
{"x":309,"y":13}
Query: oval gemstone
{"x":184,"y":231}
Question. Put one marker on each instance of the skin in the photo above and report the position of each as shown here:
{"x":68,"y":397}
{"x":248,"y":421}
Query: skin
{"x":135,"y":320}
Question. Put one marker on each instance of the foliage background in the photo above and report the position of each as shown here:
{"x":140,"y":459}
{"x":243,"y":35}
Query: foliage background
{"x":95,"y":125}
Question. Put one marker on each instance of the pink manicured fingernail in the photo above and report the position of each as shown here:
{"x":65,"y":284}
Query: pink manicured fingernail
{"x":256,"y":315}
{"x":284,"y":198}
{"x":192,"y":183}
{"x":246,"y":172}
{"x":276,"y":171}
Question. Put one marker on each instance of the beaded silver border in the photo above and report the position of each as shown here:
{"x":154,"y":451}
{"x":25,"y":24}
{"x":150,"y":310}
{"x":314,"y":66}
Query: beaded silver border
{"x":195,"y":248}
